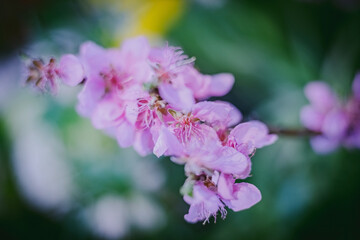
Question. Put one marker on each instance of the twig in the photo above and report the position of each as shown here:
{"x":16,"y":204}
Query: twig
{"x":293,"y":132}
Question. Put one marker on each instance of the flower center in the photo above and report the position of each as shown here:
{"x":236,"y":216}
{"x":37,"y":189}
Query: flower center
{"x":149,"y":109}
{"x":114,"y":81}
{"x":187,"y":127}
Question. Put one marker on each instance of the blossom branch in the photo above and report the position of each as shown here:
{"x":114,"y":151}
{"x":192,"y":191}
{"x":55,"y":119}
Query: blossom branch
{"x":293,"y":132}
{"x":154,"y":100}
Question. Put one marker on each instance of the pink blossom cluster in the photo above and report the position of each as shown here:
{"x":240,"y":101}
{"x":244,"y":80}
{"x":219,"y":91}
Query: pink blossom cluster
{"x":336,"y":121}
{"x":153,"y":99}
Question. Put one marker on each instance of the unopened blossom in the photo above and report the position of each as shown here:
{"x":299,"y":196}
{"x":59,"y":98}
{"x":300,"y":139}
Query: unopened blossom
{"x":43,"y":75}
{"x":336,"y":122}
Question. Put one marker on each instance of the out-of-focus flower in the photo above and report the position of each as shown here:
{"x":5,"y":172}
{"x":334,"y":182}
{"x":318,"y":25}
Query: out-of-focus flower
{"x":50,"y":170}
{"x":111,"y":216}
{"x":336,"y":123}
{"x":44,"y":76}
{"x":145,"y":214}
{"x":43,"y":175}
{"x":108,"y":217}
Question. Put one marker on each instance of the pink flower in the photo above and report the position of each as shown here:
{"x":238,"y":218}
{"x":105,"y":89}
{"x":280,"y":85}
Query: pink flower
{"x":168,"y":63}
{"x":204,"y":203}
{"x":237,"y":196}
{"x":353,"y":109}
{"x":117,"y":116}
{"x":356,"y":87}
{"x":247,"y":137}
{"x":111,"y":71}
{"x":336,"y":123}
{"x":114,"y":83}
{"x":190,"y":131}
{"x":208,"y":195}
{"x":201,"y":148}
{"x":148,"y":98}
{"x":44,"y":76}
{"x":152,"y":114}
{"x":194,"y":130}
{"x":180,"y":84}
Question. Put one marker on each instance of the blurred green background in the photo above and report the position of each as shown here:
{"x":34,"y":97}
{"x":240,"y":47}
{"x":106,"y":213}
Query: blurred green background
{"x":62,"y":179}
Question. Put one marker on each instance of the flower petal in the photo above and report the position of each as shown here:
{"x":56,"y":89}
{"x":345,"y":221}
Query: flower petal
{"x":324,"y":145}
{"x":247,"y":195}
{"x":71,"y":70}
{"x":179,"y":98}
{"x":90,"y":95}
{"x":221,"y":84}
{"x":203,"y":204}
{"x":94,"y":58}
{"x":106,"y":114}
{"x":143,"y":143}
{"x":254,"y":134}
{"x":135,"y":49}
{"x":320,"y":95}
{"x":335,"y":124}
{"x":225,"y":186}
{"x":167,"y":143}
{"x":312,"y":118}
{"x":228,"y":160}
{"x":217,"y":113}
{"x":125,"y":134}
{"x":353,"y":140}
{"x":356,"y":86}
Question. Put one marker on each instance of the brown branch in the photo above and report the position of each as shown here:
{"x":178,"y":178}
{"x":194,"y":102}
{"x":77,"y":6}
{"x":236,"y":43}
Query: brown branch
{"x":292,"y":132}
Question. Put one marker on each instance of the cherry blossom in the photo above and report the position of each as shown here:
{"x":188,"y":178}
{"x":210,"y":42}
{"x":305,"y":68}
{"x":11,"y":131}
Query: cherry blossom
{"x":154,"y":100}
{"x":336,"y":122}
